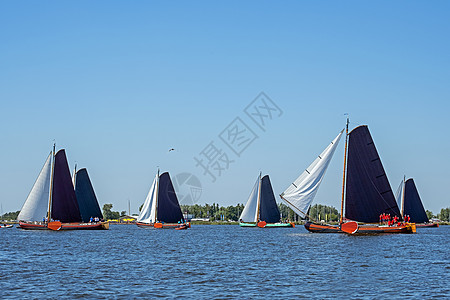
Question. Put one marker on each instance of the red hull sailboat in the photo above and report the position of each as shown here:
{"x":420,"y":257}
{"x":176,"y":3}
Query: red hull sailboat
{"x":366,"y":191}
{"x":161,"y":208}
{"x":411,"y":205}
{"x":53,"y":204}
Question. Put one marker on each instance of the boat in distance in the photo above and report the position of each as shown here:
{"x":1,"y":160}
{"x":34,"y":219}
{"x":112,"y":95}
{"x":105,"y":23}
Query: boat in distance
{"x":53,"y":204}
{"x":261,"y":209}
{"x":411,"y":205}
{"x":161,"y":208}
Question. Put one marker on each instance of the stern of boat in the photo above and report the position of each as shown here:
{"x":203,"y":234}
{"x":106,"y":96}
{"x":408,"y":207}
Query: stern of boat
{"x":411,"y":227}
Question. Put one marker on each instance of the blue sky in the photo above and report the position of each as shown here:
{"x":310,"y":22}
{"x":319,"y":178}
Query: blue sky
{"x":118,"y":83}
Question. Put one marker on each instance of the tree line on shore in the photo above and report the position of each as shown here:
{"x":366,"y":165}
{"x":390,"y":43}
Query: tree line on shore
{"x":215,"y":212}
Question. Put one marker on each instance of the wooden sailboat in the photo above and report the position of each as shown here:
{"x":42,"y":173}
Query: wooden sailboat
{"x":261,"y":209}
{"x":52,"y":202}
{"x":366,"y":192}
{"x":161,"y":208}
{"x":411,"y":205}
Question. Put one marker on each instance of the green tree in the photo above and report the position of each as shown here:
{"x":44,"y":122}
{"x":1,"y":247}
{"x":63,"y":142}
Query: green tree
{"x":429,"y":215}
{"x":444,"y":214}
{"x":324,"y":213}
{"x":108,"y":214}
{"x":10,"y":216}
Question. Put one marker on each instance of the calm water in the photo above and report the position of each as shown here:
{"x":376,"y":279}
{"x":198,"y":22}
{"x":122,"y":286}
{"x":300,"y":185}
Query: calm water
{"x":223,"y":262}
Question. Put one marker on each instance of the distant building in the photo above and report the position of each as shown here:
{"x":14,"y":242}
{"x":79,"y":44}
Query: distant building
{"x":200,"y":219}
{"x":127,"y":220}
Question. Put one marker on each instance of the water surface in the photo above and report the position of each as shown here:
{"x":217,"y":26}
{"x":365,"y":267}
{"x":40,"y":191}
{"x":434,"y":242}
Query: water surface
{"x":212,"y":261}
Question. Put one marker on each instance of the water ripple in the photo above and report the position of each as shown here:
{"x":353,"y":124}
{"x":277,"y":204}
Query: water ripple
{"x":222,"y":262}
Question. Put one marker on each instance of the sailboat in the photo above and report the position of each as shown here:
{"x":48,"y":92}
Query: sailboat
{"x":261,"y":209}
{"x":161,"y":208}
{"x":52,"y":202}
{"x":411,"y":205}
{"x":365,"y":190}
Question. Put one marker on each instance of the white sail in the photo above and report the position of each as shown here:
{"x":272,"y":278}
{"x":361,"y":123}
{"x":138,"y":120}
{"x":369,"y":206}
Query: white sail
{"x":148,"y":211}
{"x":250,"y":212}
{"x":299,"y":195}
{"x":399,"y":195}
{"x":35,"y":207}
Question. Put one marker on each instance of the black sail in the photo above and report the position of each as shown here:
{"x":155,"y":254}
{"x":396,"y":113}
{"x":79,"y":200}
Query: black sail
{"x":268,"y":208}
{"x":412,"y":205}
{"x":168,"y":208}
{"x":368,"y":192}
{"x":87,"y":201}
{"x":64,"y":202}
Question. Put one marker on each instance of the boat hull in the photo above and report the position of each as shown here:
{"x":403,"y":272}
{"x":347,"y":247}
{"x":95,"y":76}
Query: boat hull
{"x":6,"y":226}
{"x":428,"y":225}
{"x":322,"y":228}
{"x":177,"y":226}
{"x":362,"y":229}
{"x":65,"y":226}
{"x":268,"y":225}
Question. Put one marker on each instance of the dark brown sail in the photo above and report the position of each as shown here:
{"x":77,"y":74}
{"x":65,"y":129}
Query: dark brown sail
{"x":64,"y":202}
{"x":87,"y":201}
{"x":368,"y":192}
{"x":168,"y":208}
{"x":412,"y":204}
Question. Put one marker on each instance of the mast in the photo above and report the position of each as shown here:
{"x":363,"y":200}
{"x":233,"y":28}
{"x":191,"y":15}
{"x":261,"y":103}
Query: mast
{"x":51,"y":186}
{"x":258,"y":214}
{"x":74,"y":178}
{"x":345,"y":167}
{"x":156,"y":204}
{"x":403,"y":197}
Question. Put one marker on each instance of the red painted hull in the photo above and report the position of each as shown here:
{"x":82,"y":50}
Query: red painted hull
{"x":164,"y":226}
{"x":429,"y":225}
{"x":362,"y":229}
{"x":64,"y":226}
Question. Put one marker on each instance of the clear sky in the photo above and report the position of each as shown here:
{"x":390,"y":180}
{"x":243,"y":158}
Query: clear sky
{"x":119,"y":83}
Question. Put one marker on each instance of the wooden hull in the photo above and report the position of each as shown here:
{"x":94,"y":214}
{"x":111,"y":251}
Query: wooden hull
{"x":362,"y":229}
{"x":177,"y":226}
{"x":427,"y":225}
{"x":65,"y":226}
{"x":268,"y":225}
{"x":322,"y":228}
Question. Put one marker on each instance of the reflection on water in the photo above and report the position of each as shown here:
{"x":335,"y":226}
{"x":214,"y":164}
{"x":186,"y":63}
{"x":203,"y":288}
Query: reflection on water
{"x":223,"y":262}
